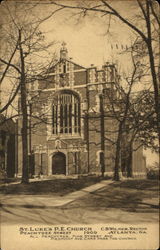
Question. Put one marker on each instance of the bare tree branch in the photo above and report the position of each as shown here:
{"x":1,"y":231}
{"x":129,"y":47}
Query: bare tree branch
{"x":154,"y":13}
{"x":10,"y":64}
{"x":117,"y":14}
{"x":11,"y":99}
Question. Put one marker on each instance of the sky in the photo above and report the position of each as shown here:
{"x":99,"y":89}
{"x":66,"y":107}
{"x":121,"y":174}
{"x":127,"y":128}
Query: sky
{"x":86,"y":38}
{"x":87,"y":41}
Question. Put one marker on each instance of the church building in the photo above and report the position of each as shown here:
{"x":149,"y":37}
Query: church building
{"x":8,"y":147}
{"x":71,"y":130}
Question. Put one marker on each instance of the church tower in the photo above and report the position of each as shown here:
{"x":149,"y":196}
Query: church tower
{"x":63,"y":52}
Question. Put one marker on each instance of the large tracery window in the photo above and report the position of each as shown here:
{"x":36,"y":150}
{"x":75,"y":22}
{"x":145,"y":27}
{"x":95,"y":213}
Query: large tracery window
{"x":66,"y":113}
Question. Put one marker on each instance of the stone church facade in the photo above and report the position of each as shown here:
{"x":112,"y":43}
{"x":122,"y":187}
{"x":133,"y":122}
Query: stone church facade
{"x":8,"y":147}
{"x":71,"y":131}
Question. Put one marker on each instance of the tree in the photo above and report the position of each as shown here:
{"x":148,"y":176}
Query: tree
{"x":145,"y":23}
{"x":25,"y":42}
{"x":119,"y":104}
{"x":140,"y":127}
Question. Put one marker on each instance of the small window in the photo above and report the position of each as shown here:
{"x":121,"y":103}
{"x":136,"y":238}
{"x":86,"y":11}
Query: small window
{"x":64,"y":68}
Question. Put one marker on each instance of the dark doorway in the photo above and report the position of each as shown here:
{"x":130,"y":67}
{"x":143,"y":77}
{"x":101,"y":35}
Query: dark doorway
{"x":2,"y":160}
{"x":59,"y":163}
{"x":102,"y":163}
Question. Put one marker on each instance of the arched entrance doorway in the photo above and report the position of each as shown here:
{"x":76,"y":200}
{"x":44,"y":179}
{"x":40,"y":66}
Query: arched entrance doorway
{"x":59,"y":163}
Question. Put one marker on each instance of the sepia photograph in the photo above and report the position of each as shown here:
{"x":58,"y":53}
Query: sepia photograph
{"x":79,"y":124}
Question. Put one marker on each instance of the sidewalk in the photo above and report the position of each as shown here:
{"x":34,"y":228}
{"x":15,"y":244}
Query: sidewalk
{"x":41,"y":200}
{"x":98,"y":203}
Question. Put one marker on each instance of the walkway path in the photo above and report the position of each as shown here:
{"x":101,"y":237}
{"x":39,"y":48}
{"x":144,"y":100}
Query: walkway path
{"x":98,"y":203}
{"x":38,"y":200}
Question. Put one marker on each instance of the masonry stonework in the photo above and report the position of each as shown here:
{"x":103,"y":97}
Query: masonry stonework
{"x":67,"y":133}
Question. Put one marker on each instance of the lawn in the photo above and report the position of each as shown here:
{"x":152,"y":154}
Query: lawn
{"x":54,"y":186}
{"x":129,"y":195}
{"x":130,"y":201}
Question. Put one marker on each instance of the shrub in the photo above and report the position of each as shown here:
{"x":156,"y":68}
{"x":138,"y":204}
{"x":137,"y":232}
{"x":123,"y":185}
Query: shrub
{"x":153,"y":172}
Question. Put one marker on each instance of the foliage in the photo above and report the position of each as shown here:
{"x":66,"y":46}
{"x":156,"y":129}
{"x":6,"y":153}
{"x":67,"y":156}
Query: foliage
{"x":153,"y":171}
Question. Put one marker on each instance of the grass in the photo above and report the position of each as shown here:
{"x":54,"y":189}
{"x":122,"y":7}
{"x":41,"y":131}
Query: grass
{"x":137,"y":184}
{"x":56,"y":186}
{"x":129,"y":201}
{"x":129,"y":195}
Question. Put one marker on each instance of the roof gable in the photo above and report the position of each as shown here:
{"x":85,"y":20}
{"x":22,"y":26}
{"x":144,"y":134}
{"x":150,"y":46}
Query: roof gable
{"x":67,"y":64}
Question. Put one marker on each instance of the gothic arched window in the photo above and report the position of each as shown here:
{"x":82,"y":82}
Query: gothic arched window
{"x":66,"y":113}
